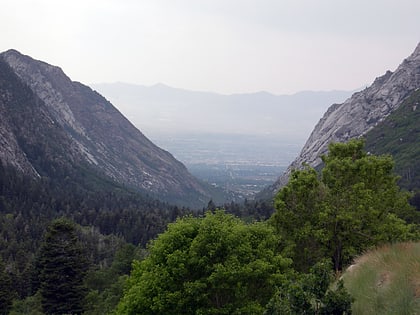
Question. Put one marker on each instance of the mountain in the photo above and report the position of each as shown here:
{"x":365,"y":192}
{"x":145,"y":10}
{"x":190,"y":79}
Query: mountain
{"x":357,"y":115}
{"x":164,"y":110}
{"x":52,"y":126}
{"x":399,"y":135}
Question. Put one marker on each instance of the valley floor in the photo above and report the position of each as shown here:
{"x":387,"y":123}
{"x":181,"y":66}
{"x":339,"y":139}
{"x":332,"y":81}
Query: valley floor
{"x":241,"y":164}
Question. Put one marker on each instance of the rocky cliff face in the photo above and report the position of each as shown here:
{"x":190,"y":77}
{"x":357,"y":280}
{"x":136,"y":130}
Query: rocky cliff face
{"x":26,"y":128}
{"x":357,"y":115}
{"x":96,"y":133}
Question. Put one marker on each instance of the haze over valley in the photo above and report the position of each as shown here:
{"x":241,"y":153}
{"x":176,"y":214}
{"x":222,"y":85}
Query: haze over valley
{"x":241,"y":142}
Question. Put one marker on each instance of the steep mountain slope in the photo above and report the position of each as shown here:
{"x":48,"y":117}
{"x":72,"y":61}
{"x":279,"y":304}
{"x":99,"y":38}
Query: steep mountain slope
{"x":357,"y":115}
{"x":81,"y":126}
{"x":399,"y":135}
{"x":26,"y":130}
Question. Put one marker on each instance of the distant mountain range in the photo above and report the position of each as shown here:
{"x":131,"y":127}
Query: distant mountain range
{"x":374,"y":110}
{"x":163,"y":110}
{"x":53,"y":127}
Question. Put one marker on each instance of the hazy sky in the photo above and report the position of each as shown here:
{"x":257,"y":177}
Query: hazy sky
{"x":226,"y":46}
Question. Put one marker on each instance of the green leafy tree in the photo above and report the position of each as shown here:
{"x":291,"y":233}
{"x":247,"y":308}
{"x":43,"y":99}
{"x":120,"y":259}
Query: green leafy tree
{"x":298,"y":206}
{"x":63,"y":268}
{"x":212,"y":265}
{"x":354,"y":204}
{"x":312,"y":293}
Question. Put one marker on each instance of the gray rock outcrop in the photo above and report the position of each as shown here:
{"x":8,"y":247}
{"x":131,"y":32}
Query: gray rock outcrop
{"x":98,"y":134}
{"x":357,"y":115}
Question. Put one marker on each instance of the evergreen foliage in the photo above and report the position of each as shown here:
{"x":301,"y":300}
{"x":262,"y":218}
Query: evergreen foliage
{"x":106,"y":284}
{"x":62,"y":269}
{"x":6,"y":290}
{"x":399,"y":136}
{"x":251,"y":210}
{"x":115,"y":215}
{"x":30,"y":306}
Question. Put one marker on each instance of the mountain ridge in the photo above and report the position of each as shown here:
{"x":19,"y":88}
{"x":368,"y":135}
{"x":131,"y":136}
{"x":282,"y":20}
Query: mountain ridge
{"x":164,"y":109}
{"x":102,"y":137}
{"x":357,"y":115}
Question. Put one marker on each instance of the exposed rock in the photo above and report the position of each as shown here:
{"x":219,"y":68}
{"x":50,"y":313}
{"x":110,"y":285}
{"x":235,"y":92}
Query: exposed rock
{"x":11,"y":153}
{"x":99,"y":135}
{"x":357,"y":115}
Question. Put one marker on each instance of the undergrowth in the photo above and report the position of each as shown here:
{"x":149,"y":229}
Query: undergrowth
{"x":386,"y":280}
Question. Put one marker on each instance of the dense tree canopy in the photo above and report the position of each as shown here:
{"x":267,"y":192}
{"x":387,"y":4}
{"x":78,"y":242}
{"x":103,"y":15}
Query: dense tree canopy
{"x":353,"y":205}
{"x":211,"y":265}
{"x":111,"y":212}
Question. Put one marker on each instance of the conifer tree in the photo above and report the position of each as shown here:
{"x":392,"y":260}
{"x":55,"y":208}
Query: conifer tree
{"x":6,"y":292}
{"x":63,"y":267}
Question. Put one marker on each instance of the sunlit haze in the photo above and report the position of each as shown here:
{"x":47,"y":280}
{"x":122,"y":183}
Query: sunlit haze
{"x":224,"y":46}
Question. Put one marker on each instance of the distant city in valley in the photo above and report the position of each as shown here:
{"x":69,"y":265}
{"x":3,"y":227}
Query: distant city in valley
{"x":238,"y":163}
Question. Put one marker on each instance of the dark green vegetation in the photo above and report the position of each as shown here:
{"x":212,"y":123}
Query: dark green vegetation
{"x":211,"y":265}
{"x":115,"y":216}
{"x":386,"y":280}
{"x":220,"y":265}
{"x":62,"y":267}
{"x":311,"y":293}
{"x":6,"y":294}
{"x":215,"y":264}
{"x":399,"y":135}
{"x":355,"y":204}
{"x":114,"y":224}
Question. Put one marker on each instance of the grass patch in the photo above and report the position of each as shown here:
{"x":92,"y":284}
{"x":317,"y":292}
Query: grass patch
{"x":386,"y":280}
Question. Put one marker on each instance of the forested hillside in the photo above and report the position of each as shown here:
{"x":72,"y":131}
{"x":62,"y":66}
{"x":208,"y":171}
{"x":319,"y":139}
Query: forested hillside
{"x":399,"y":136}
{"x":109,"y":217}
